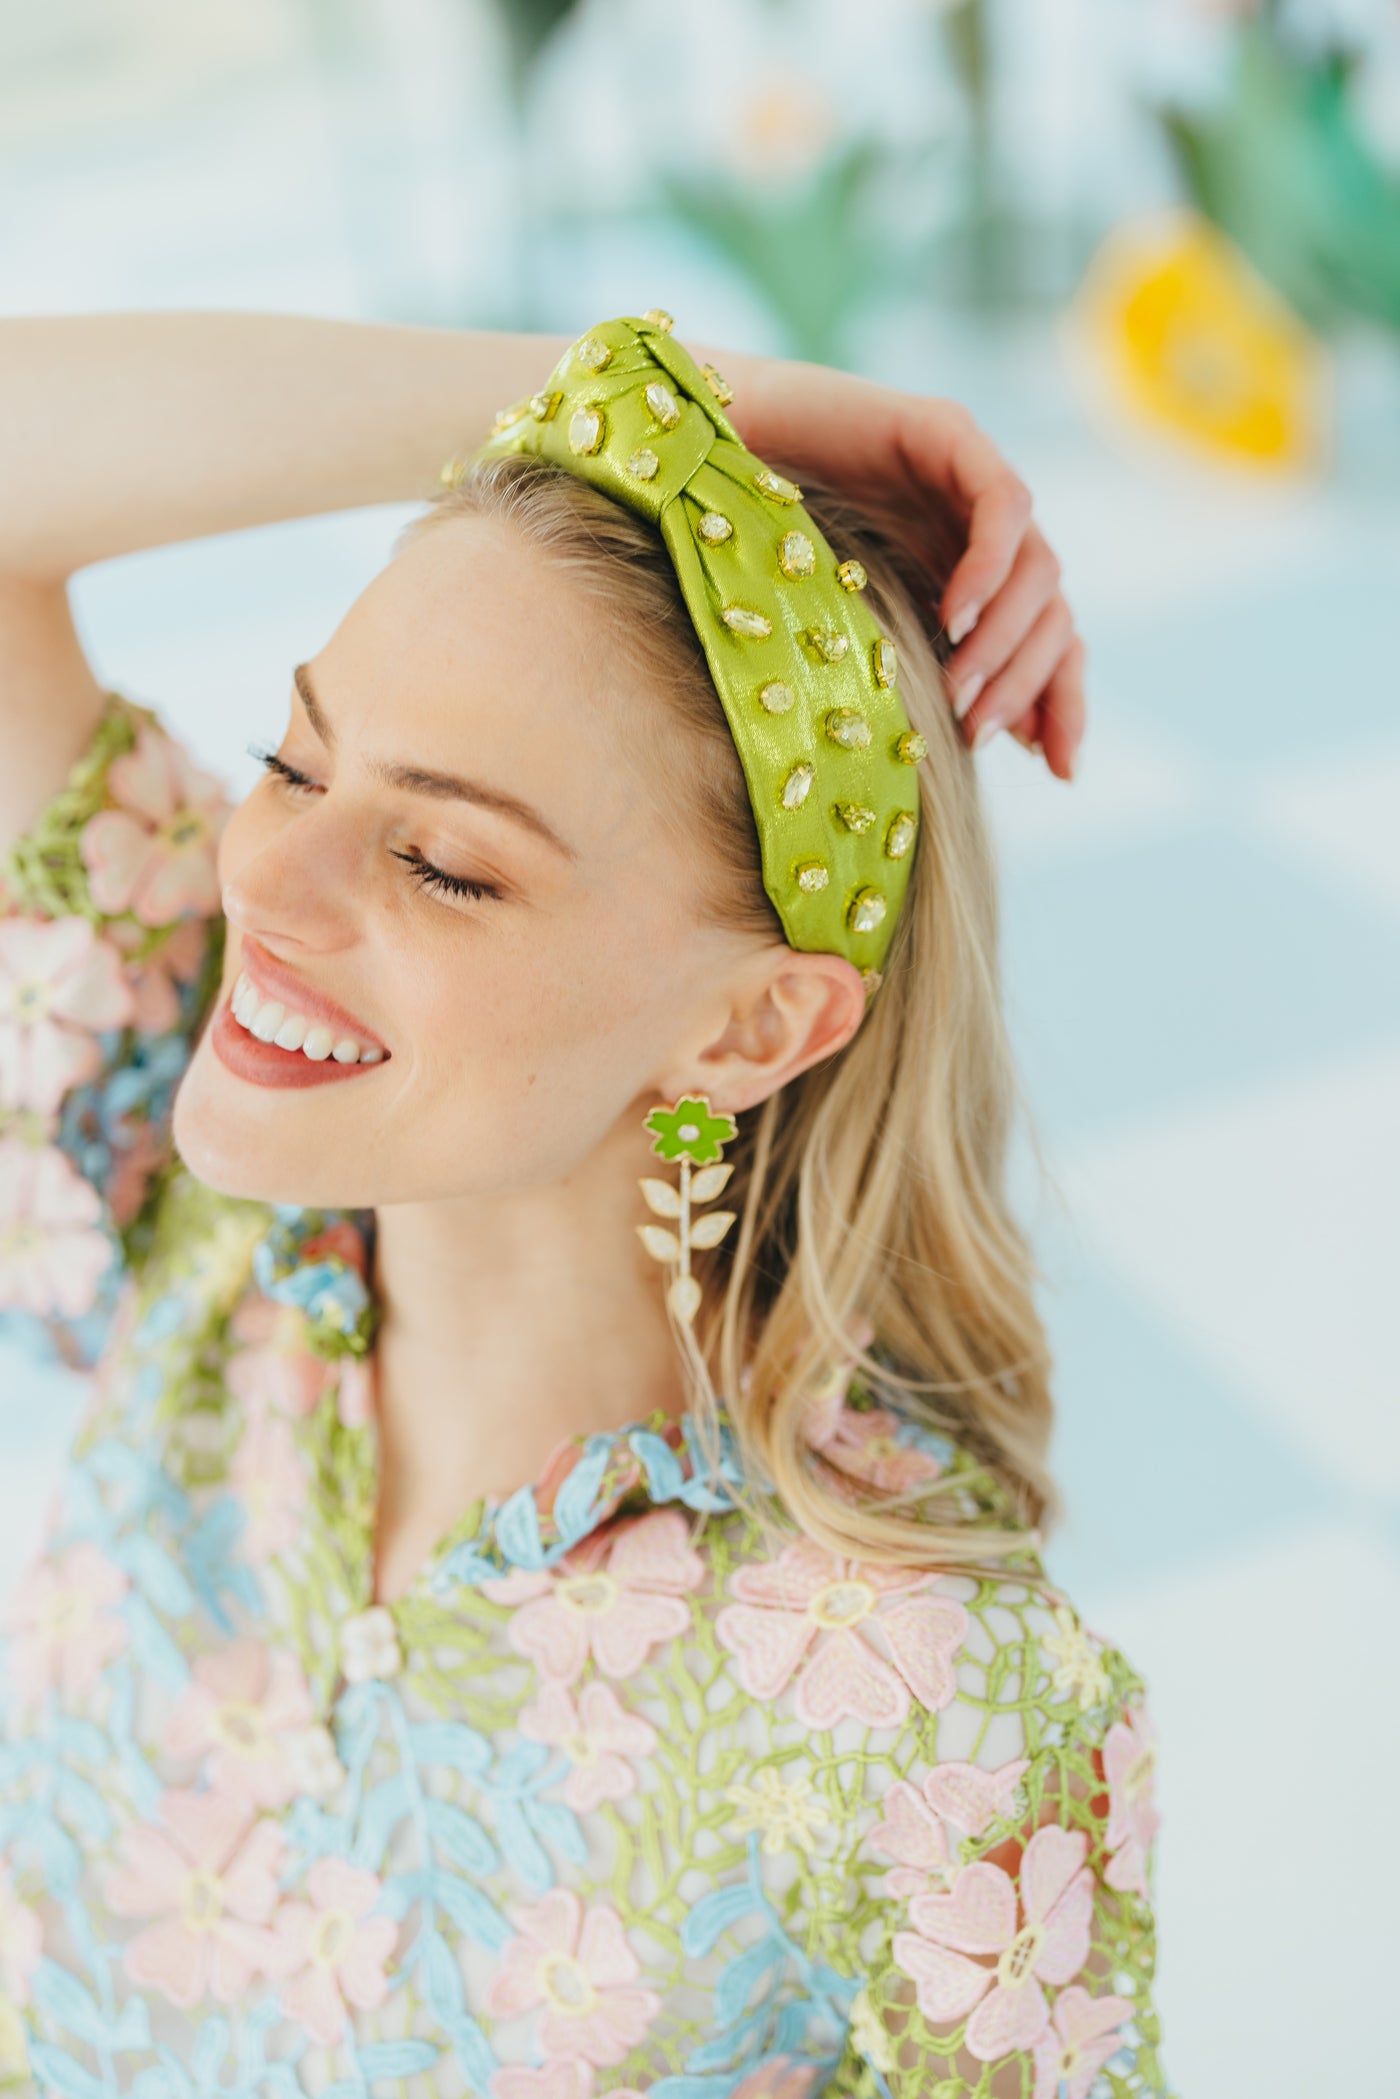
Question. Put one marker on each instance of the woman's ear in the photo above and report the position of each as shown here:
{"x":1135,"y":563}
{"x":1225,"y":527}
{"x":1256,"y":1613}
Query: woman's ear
{"x":800,"y":1009}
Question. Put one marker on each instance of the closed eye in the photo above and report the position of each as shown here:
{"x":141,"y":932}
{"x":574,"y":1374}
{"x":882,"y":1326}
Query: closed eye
{"x":422,"y":871}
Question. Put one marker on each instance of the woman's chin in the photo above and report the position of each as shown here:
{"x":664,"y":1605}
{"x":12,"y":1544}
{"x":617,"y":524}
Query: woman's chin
{"x":231,"y":1142}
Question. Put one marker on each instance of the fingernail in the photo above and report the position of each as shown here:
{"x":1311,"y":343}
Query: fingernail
{"x":965,"y":695}
{"x":962,"y":623}
{"x":986,"y":731}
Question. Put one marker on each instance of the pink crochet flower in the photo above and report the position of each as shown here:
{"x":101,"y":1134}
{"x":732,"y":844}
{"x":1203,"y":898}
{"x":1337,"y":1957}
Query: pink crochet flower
{"x":556,"y":2079}
{"x":1129,"y":1762}
{"x":273,"y":1367}
{"x":240,"y":1707}
{"x":208,"y":1879}
{"x":598,"y":1737}
{"x":615,"y":1597}
{"x":153,"y":855}
{"x":269,"y":1476}
{"x":65,"y":1623}
{"x":1082,"y":2036}
{"x":333,"y":1949}
{"x":979,"y":1916}
{"x":61,"y":983}
{"x":810,"y":1599}
{"x":176,"y":961}
{"x":913,"y":1832}
{"x":578,"y":1966}
{"x":21,"y":1942}
{"x":52,"y":1255}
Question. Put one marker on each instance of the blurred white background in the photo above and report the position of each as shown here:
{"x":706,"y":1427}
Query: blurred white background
{"x":1202,"y":934}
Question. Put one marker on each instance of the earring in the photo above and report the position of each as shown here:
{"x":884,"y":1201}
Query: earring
{"x":691,"y":1133}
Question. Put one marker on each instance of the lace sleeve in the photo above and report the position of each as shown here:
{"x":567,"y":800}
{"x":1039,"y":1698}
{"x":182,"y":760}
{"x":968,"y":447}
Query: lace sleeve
{"x":1013,"y":1950}
{"x":110,"y":948}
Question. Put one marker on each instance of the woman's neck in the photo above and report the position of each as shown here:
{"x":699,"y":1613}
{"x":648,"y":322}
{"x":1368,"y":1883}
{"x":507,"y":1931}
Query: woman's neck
{"x":506,"y":1326}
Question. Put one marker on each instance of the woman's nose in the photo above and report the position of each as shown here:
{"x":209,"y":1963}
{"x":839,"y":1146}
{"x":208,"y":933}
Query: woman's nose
{"x":295,"y":881}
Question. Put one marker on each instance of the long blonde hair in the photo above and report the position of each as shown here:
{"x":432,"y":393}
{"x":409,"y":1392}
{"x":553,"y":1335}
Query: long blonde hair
{"x":872,"y":1184}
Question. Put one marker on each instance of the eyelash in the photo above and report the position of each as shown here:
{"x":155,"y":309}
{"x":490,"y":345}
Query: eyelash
{"x":423,"y":871}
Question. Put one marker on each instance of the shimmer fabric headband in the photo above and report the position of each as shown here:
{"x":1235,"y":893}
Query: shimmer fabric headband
{"x":805,"y":677}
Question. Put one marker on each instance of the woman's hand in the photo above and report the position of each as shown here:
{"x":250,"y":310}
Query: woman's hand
{"x":1017,"y":662}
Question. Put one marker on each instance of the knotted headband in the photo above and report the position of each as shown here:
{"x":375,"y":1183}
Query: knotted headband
{"x":802,"y":670}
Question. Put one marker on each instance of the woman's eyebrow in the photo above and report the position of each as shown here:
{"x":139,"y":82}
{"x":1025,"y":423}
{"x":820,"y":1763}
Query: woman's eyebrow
{"x":418,"y":779}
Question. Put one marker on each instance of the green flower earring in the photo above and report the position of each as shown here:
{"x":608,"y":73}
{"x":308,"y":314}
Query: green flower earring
{"x":690,"y":1132}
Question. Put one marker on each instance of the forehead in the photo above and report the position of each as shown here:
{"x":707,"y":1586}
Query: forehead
{"x":474,"y":652}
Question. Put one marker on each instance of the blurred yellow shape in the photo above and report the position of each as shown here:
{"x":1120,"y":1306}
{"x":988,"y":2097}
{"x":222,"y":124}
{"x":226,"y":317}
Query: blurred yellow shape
{"x":1191,"y":339}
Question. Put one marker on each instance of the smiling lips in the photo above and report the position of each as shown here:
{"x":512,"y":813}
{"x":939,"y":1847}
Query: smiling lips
{"x":276,"y":1031}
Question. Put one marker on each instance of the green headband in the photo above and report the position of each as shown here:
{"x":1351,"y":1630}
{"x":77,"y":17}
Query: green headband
{"x":805,"y":676}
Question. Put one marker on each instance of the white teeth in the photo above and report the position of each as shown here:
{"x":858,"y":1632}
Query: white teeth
{"x":267,"y":1020}
{"x":271,"y":1021}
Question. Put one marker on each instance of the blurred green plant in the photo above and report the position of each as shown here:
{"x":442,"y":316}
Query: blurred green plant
{"x":1282,"y":167}
{"x":529,"y":26}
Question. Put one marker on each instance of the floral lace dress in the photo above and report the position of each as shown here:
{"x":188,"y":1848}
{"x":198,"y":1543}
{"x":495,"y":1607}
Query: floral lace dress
{"x":621,"y":1797}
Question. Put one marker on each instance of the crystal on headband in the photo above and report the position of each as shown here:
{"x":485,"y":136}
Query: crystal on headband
{"x":851,"y":575}
{"x":776,"y":697}
{"x":796,"y":554}
{"x":742,"y":621}
{"x":662,"y":403}
{"x":657,"y":317}
{"x":542,"y":405}
{"x":848,"y":728}
{"x":719,"y":387}
{"x":910,"y":747}
{"x":797,"y":786}
{"x":886,"y":662}
{"x":714,"y":527}
{"x":585,"y":430}
{"x":867,"y":910}
{"x":829,"y":643}
{"x":593,"y":355}
{"x":855,"y":816}
{"x":644,"y":464}
{"x":774,"y":485}
{"x":812,"y":875}
{"x":900,"y":835}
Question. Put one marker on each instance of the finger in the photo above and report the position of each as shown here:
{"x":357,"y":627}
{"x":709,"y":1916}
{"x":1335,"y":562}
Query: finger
{"x":997,"y":504}
{"x":1025,"y":678}
{"x":1062,"y":709}
{"x":1007,"y":621}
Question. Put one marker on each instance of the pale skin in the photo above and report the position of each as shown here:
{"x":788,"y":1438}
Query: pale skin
{"x":501,"y":1141}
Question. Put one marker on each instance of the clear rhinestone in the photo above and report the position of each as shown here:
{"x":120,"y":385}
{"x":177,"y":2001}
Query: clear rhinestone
{"x":910,"y":747}
{"x":593,"y":354}
{"x":714,"y":527}
{"x":855,"y":816}
{"x":742,"y":621}
{"x":849,"y":729}
{"x":796,"y":554}
{"x":774,"y":485}
{"x":663,"y":405}
{"x":797,"y":786}
{"x":852,"y":575}
{"x":829,"y":643}
{"x":585,"y":430}
{"x":451,"y":473}
{"x":504,"y":417}
{"x":867,"y":910}
{"x":657,"y":317}
{"x":886,"y":662}
{"x":776,"y":697}
{"x":900,"y":835}
{"x":812,"y":875}
{"x":644,"y":464}
{"x":542,"y":405}
{"x":719,"y":386}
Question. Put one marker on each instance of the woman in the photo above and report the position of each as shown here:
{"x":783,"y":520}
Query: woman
{"x":430,"y":1682}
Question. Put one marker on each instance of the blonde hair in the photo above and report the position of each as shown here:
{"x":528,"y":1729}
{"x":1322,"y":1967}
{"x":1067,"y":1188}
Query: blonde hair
{"x":873,"y":1183}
